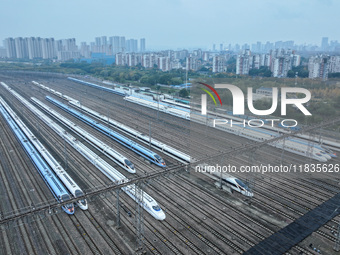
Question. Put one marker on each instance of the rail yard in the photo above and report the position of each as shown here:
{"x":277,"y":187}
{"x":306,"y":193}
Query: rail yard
{"x":200,"y":218}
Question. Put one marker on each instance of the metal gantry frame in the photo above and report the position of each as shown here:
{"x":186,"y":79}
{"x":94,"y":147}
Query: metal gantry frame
{"x":337,"y":240}
{"x":118,"y":209}
{"x":283,"y":150}
{"x":310,"y":147}
{"x":251,"y":180}
{"x":139,"y":219}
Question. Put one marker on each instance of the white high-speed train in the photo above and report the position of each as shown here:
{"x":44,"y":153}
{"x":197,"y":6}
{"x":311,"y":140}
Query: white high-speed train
{"x":237,"y":185}
{"x":149,"y":204}
{"x":231,"y":182}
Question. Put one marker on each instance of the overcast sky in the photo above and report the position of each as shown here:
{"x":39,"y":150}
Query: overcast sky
{"x":174,"y":23}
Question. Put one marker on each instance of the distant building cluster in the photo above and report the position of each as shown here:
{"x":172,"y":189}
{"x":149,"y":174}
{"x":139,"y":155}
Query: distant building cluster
{"x":320,"y":66}
{"x":41,"y":48}
{"x":65,"y":49}
{"x":165,"y":60}
{"x":170,"y":59}
{"x":277,"y":58}
{"x":260,"y":47}
{"x":280,"y":61}
{"x":112,"y":45}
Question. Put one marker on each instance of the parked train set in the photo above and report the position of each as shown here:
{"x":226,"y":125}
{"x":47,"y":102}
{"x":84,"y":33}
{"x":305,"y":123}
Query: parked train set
{"x":137,"y":148}
{"x":96,"y":86}
{"x":37,"y":155}
{"x":117,"y":157}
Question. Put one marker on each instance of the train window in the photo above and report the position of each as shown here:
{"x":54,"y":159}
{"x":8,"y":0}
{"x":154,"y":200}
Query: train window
{"x":83,"y":202}
{"x":239,"y":182}
{"x":230,"y":183}
{"x":69,"y":206}
{"x":156,"y":208}
{"x":78,"y":193}
{"x":158,"y":158}
{"x":65,"y":197}
{"x":129,"y":164}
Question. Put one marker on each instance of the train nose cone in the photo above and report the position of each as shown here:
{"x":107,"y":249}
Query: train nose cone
{"x":161,"y":215}
{"x":327,"y":156}
{"x":131,"y":170}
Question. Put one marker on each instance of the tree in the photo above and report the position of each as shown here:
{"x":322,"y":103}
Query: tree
{"x":267,"y":73}
{"x":291,"y":74}
{"x":183,"y":93}
{"x":176,"y":81}
{"x":334,"y":75}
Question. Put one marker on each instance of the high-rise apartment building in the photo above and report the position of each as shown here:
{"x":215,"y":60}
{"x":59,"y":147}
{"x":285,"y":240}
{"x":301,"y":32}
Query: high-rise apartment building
{"x":132,"y":59}
{"x":34,"y":47}
{"x":3,"y":52}
{"x":296,"y":60}
{"x":164,"y":63}
{"x":116,"y":44}
{"x":219,"y":64}
{"x":121,"y":59}
{"x":103,"y":40}
{"x":149,"y":60}
{"x":192,"y":63}
{"x":318,"y":67}
{"x":69,"y":44}
{"x":98,"y":41}
{"x":255,"y":61}
{"x":281,"y":66}
{"x":48,"y":48}
{"x":142,"y":45}
{"x":334,"y":64}
{"x":10,"y":48}
{"x":85,"y":50}
{"x":21,"y":47}
{"x":324,"y":43}
{"x":131,"y":45}
{"x":122,"y":45}
{"x":243,"y":62}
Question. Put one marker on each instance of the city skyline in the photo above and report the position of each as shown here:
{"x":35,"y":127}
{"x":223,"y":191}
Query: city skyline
{"x":175,"y":24}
